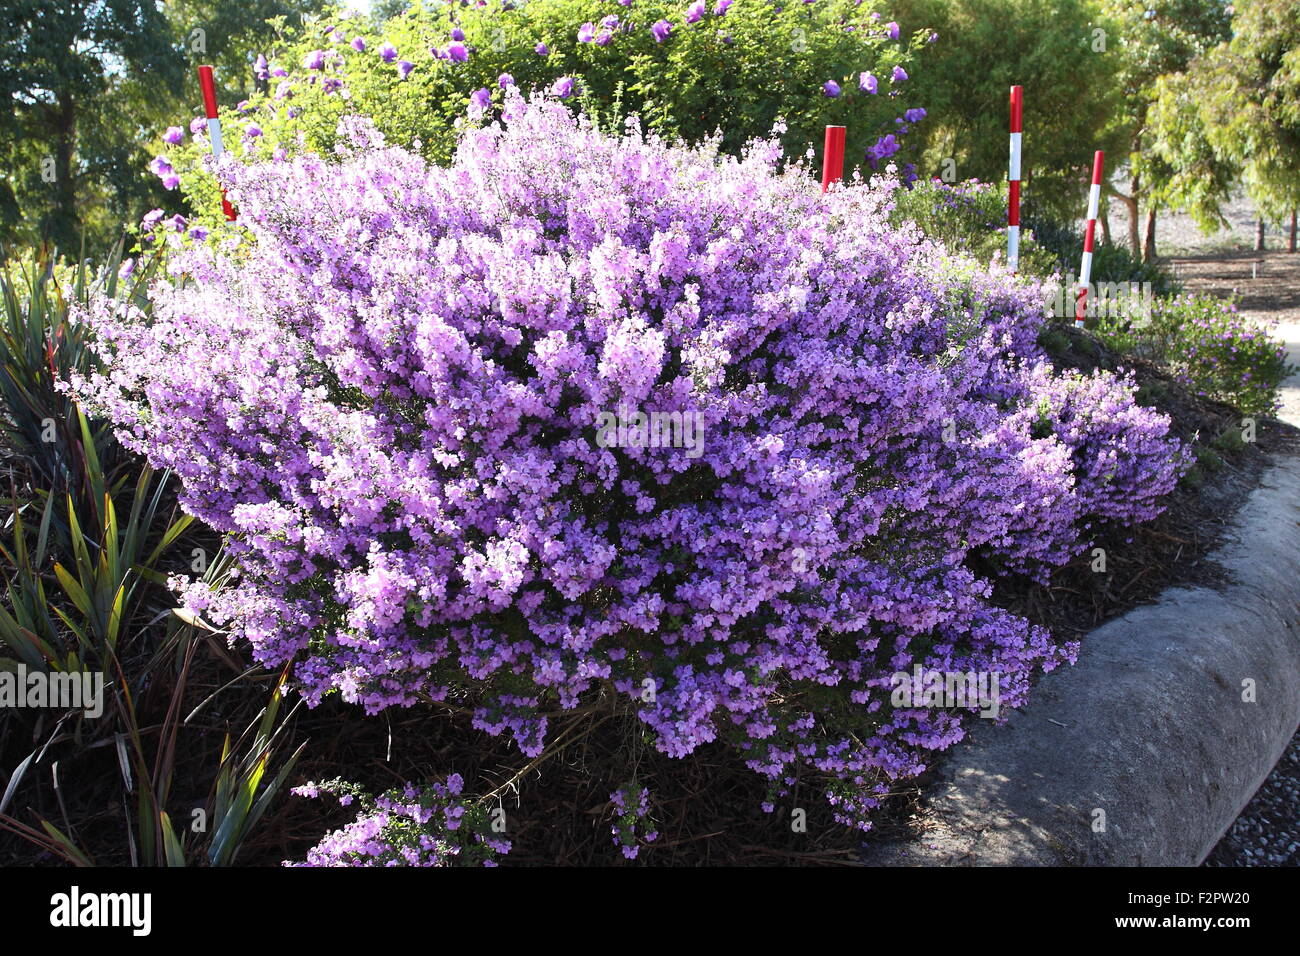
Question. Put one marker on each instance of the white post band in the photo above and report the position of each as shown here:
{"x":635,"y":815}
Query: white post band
{"x":1014,"y":166}
{"x":214,"y":134}
{"x":1094,"y":200}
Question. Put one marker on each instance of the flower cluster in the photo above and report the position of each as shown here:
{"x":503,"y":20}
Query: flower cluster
{"x":388,"y":402}
{"x":631,"y":818}
{"x":407,"y":826}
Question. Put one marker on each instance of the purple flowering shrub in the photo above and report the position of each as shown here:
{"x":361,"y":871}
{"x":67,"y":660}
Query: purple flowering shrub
{"x":395,"y":401}
{"x":432,"y":825}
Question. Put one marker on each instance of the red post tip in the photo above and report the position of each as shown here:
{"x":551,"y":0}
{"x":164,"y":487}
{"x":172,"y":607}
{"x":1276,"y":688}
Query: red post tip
{"x":1098,"y":161}
{"x":833,"y":156}
{"x":209,"y":88}
{"x":1017,"y":107}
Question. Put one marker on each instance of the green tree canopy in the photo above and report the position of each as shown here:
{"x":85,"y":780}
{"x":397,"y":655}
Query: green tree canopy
{"x":1071,"y":92}
{"x":86,"y":86}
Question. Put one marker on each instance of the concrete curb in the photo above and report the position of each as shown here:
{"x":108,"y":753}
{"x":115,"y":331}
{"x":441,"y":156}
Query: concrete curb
{"x":1150,"y":727}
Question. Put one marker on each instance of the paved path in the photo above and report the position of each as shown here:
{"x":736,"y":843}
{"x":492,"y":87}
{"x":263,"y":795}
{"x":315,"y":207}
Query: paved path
{"x":1268,"y":831}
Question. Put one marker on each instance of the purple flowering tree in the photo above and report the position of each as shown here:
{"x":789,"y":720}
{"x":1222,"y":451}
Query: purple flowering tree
{"x":688,"y":69}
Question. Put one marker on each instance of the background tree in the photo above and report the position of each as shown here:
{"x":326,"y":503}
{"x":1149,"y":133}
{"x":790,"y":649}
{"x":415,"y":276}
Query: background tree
{"x":1256,"y":117}
{"x":66,"y":66}
{"x":1234,"y":116}
{"x":86,"y":87}
{"x":1152,"y":39}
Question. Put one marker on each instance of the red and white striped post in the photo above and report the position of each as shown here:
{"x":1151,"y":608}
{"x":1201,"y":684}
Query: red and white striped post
{"x":1013,"y":184}
{"x":214,"y":126}
{"x":1089,"y":237}
{"x":833,"y":156}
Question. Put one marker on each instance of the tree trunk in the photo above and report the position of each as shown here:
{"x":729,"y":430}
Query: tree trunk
{"x":1132,"y":203}
{"x":61,"y":222}
{"x":1149,"y":247}
{"x":1105,"y":219}
{"x":1291,"y":245}
{"x":1259,"y":236}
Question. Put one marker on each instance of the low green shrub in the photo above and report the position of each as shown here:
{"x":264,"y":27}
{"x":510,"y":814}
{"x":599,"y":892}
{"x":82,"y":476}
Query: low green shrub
{"x":1110,"y":262}
{"x":1210,"y":346}
{"x":969,"y":217}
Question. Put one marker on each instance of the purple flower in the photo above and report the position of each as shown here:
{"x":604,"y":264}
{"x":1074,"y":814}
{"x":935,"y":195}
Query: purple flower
{"x":126,"y":268}
{"x":198,"y":233}
{"x":542,"y":49}
{"x":831,"y":88}
{"x":359,"y":44}
{"x":479,"y":101}
{"x":388,"y":53}
{"x":661,"y":29}
{"x":260,"y":69}
{"x":279,"y":71}
{"x":457,"y":34}
{"x":252,"y":131}
{"x":176,"y":223}
{"x":505,"y":81}
{"x":695,"y":11}
{"x":404,"y":68}
{"x":867,"y":82}
{"x":174,"y":135}
{"x":563,"y":87}
{"x":198,"y":125}
{"x":891,"y":30}
{"x":586,"y":33}
{"x":457,"y":53}
{"x":315,"y":60}
{"x":720,"y":8}
{"x":899,"y":74}
{"x":884,"y":147}
{"x":915,"y":115}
